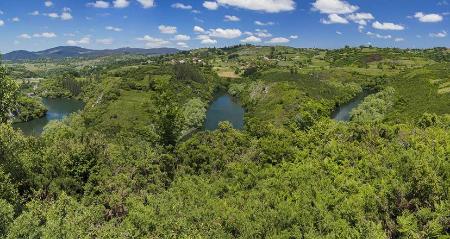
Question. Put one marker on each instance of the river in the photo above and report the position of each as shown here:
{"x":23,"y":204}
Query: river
{"x":342,"y":113}
{"x":224,"y":108}
{"x":57,"y":110}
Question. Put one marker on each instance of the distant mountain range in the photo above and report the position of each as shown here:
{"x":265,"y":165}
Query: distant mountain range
{"x":73,"y":51}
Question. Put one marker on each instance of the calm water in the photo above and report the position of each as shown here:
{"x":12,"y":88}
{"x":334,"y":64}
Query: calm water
{"x":342,"y":113}
{"x":57,"y":110}
{"x":224,"y":108}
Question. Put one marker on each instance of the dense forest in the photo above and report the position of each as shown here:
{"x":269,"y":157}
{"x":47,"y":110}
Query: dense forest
{"x":136,"y":164}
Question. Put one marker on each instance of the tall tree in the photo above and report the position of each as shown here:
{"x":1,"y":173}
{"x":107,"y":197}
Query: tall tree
{"x":8,"y":95}
{"x":170,"y":118}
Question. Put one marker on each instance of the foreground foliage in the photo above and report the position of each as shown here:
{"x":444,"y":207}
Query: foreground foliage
{"x":132,"y":164}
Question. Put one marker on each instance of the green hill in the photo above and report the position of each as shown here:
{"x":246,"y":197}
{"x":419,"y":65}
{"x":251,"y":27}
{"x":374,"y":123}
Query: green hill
{"x":135,"y":163}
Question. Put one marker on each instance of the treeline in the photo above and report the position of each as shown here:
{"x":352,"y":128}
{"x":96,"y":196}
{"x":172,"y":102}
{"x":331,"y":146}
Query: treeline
{"x":375,"y":107}
{"x":28,"y":108}
{"x":438,"y":54}
{"x":74,"y":86}
{"x":62,"y":87}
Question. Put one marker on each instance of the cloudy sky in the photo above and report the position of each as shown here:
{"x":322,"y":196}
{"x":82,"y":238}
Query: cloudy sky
{"x":41,"y":24}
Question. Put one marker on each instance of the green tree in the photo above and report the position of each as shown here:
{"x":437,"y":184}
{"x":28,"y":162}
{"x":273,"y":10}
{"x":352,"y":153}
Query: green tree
{"x":170,"y":118}
{"x":62,"y":218}
{"x":8,"y":95}
{"x":6,"y":216}
{"x":194,"y":113}
{"x":428,"y":120}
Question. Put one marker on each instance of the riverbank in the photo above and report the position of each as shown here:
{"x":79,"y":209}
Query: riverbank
{"x":29,"y":108}
{"x":343,"y":112}
{"x":57,"y":109}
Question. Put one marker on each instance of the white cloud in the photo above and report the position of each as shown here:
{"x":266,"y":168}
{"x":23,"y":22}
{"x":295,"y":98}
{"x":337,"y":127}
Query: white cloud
{"x":338,"y":32}
{"x":65,"y":16}
{"x":167,"y":29}
{"x":203,"y":37}
{"x":182,"y":38}
{"x":441,"y":34}
{"x":53,"y":15}
{"x":2,"y":23}
{"x":294,"y":37}
{"x":361,"y":18}
{"x":251,"y":39}
{"x":378,"y":35}
{"x":225,"y":33}
{"x":182,"y":44}
{"x":387,"y":26}
{"x":271,"y":6}
{"x":229,"y":18}
{"x":45,"y":35}
{"x":121,"y":3}
{"x":208,"y":41}
{"x":428,"y":17}
{"x":35,"y":13}
{"x":198,"y":29}
{"x":262,"y":33}
{"x":48,"y":3}
{"x":147,"y":3}
{"x":278,"y":40}
{"x":37,"y":35}
{"x":182,"y":6}
{"x":99,"y":4}
{"x":259,"y":23}
{"x":211,"y":5}
{"x":334,"y":19}
{"x":24,"y":36}
{"x":399,"y":39}
{"x":115,"y":29}
{"x":153,"y":42}
{"x":82,"y":41}
{"x":106,"y":41}
{"x":15,"y":19}
{"x":334,"y":7}
{"x":361,"y":28}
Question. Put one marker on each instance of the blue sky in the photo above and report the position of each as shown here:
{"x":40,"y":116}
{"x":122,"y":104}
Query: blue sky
{"x":40,"y":24}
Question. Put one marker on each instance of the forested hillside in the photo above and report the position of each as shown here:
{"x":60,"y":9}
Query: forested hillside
{"x":135,"y":163}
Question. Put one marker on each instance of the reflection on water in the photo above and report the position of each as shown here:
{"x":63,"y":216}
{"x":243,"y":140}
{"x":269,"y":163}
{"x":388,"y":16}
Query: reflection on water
{"x":224,"y":108}
{"x":57,"y":110}
{"x":342,"y":113}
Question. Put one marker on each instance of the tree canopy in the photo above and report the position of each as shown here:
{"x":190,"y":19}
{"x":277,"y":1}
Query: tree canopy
{"x":135,"y":163}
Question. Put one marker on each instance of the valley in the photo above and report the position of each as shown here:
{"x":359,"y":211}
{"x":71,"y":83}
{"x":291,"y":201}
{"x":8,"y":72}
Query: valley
{"x":343,"y":143}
